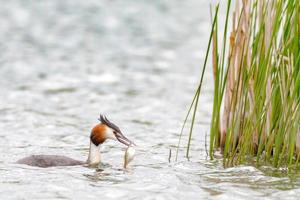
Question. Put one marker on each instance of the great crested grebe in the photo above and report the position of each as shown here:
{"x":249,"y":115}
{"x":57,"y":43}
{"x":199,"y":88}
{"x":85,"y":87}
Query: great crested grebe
{"x":101,"y":132}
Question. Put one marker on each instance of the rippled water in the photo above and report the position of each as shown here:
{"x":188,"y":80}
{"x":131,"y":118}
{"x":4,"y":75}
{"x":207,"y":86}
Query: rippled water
{"x":64,"y":62}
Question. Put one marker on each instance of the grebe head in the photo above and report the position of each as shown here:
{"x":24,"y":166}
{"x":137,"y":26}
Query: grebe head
{"x":107,"y":130}
{"x":101,"y":132}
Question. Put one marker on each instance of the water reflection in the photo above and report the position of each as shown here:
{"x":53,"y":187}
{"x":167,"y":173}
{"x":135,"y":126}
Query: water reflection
{"x":109,"y":176}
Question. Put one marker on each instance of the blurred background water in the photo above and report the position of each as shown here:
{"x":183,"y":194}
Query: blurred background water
{"x":62,"y":63}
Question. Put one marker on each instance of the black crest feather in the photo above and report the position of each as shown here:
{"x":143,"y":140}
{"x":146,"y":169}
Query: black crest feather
{"x":105,"y":121}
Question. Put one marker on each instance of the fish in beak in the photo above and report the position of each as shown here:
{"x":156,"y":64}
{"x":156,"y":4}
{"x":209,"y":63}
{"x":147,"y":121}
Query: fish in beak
{"x":129,"y":155}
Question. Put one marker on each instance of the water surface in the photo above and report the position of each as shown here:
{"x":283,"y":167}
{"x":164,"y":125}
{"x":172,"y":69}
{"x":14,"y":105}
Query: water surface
{"x":62,"y":63}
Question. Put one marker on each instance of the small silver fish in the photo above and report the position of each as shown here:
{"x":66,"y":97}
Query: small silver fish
{"x":129,"y":155}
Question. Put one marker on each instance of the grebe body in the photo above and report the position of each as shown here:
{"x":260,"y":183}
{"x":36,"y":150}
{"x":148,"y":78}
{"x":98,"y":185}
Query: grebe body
{"x":49,"y":161}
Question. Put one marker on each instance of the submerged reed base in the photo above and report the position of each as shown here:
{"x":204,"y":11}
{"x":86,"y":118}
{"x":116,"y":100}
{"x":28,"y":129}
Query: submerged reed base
{"x":256,"y":108}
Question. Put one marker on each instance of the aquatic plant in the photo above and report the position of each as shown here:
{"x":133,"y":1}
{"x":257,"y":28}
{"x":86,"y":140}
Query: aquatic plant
{"x":256,"y":107}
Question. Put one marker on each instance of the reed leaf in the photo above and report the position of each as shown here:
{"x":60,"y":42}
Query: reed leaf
{"x":256,"y":112}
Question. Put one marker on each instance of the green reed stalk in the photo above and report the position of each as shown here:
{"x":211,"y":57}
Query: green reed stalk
{"x":256,"y":107}
{"x":194,"y":103}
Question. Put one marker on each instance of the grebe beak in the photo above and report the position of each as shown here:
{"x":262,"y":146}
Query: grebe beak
{"x":121,"y":138}
{"x":117,"y":132}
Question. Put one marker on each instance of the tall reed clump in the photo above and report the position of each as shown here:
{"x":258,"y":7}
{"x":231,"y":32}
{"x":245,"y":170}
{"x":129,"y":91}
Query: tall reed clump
{"x":256,"y":108}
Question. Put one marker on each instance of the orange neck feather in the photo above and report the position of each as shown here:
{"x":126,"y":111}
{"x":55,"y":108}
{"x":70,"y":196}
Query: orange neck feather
{"x":98,"y":135}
